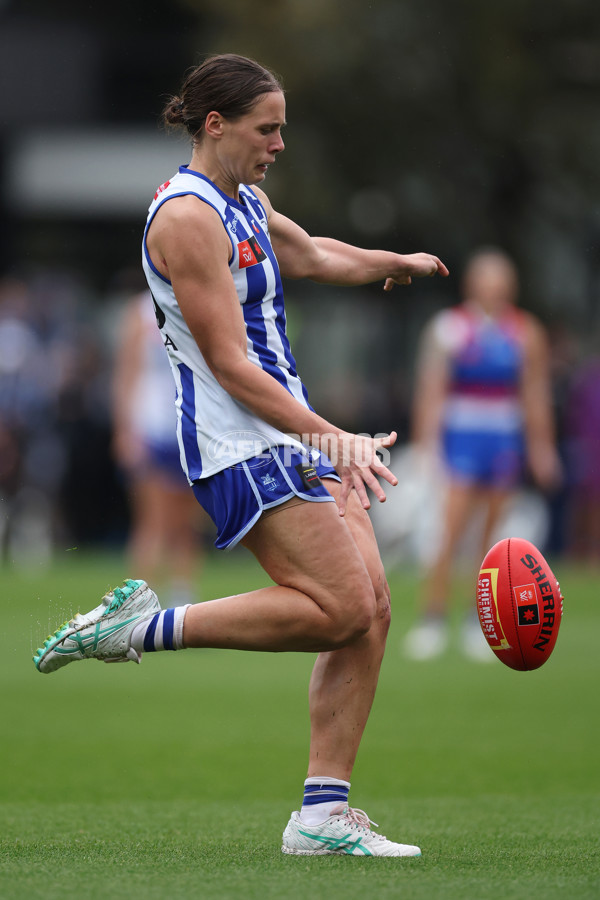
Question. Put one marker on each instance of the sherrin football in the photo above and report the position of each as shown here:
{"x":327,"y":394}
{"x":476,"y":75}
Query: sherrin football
{"x":519,"y":604}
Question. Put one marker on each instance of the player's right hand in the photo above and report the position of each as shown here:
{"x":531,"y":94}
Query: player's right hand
{"x":415,"y":265}
{"x":358,"y":465}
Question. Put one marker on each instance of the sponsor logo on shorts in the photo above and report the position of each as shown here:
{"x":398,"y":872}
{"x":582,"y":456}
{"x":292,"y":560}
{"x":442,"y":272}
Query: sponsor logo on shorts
{"x":309,"y":477}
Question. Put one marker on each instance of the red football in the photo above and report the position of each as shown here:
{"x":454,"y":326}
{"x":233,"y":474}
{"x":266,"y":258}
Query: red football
{"x":519,"y":604}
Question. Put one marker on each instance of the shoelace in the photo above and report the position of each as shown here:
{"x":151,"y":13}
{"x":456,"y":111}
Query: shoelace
{"x":359,"y":819}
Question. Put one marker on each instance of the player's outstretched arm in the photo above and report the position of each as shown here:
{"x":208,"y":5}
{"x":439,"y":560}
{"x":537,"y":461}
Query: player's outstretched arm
{"x":328,"y":261}
{"x":347,"y":265}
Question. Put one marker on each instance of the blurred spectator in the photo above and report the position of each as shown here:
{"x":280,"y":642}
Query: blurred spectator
{"x":565,"y":357}
{"x":583,"y":448}
{"x":31,"y":457}
{"x":54,"y":420}
{"x":165,"y":514}
{"x":483,"y":402}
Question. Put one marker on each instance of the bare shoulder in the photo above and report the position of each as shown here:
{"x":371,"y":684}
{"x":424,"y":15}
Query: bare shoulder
{"x":186,"y":228}
{"x":264,"y":200}
{"x":185,"y":212}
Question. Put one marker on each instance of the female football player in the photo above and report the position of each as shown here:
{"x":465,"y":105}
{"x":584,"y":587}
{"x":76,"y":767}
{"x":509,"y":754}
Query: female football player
{"x":272,"y":473}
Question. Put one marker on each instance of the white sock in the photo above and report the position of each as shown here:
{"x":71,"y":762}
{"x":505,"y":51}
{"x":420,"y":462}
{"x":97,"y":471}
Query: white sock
{"x":321,"y":796}
{"x":164,"y":631}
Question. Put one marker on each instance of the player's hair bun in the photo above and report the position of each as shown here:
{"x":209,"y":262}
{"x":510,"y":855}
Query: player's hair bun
{"x":173,"y":112}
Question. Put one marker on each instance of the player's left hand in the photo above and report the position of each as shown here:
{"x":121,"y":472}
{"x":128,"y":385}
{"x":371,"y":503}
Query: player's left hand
{"x":415,"y":265}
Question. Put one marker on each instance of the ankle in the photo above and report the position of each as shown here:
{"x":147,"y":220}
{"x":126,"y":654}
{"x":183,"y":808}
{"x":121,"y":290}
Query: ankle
{"x":164,"y":631}
{"x":322,"y":795}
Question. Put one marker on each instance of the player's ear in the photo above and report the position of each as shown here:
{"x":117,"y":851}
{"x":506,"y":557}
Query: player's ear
{"x":213,"y":125}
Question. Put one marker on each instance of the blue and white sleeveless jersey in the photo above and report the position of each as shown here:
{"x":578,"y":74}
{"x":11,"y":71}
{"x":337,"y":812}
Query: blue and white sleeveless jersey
{"x":215,"y":430}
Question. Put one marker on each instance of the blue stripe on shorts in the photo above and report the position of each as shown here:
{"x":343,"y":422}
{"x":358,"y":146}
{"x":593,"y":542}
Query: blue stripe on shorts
{"x":236,"y":497}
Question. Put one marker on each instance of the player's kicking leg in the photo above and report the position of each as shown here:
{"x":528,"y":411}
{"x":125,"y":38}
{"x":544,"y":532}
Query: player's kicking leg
{"x":322,"y":603}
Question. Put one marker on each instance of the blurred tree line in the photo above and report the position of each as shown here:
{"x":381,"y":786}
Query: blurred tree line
{"x":428,"y":125}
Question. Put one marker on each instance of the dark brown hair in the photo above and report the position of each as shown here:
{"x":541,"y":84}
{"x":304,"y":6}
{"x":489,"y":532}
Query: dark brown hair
{"x":227,"y":84}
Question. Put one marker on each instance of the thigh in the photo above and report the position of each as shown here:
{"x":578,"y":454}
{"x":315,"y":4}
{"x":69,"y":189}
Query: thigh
{"x":359,"y":524}
{"x":311,"y":548}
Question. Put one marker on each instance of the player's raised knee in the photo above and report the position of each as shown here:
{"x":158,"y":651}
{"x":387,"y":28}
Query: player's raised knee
{"x":355,"y":616}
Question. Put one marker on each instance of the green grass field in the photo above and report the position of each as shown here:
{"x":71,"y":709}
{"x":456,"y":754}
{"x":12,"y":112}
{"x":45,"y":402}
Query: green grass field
{"x":175,"y":778}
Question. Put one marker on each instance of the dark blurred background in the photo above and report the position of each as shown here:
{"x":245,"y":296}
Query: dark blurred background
{"x":412,"y":126}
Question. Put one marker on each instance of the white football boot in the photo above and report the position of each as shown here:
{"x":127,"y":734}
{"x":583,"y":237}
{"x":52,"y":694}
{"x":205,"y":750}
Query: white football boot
{"x":103,"y":633}
{"x":346,"y":832}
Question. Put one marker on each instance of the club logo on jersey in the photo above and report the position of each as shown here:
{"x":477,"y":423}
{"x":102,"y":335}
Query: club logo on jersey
{"x":250,"y":253}
{"x":162,"y":188}
{"x":527,"y":606}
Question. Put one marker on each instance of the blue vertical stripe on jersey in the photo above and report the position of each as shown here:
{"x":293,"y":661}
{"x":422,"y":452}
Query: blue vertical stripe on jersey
{"x":188,"y":421}
{"x":255,"y":323}
{"x":278,"y":302}
{"x":257,"y":283}
{"x":255,"y":204}
{"x":254,"y":315}
{"x":279,"y":307}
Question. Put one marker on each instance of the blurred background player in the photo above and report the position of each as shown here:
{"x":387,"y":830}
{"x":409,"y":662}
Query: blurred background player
{"x":165,"y":517}
{"x":583,"y":428}
{"x":483,"y":401}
